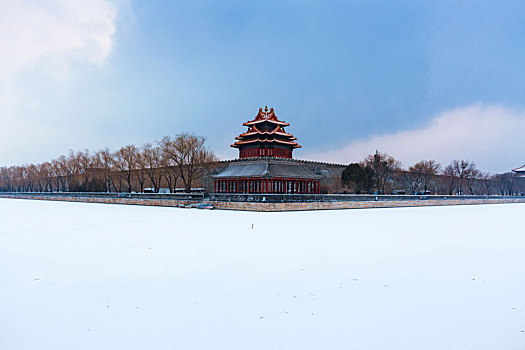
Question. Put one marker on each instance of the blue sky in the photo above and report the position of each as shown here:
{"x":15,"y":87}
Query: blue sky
{"x":350,"y":76}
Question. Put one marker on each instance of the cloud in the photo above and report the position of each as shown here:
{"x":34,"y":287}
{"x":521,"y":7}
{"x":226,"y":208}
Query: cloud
{"x":58,"y":31}
{"x":490,"y":136}
{"x":48,"y":36}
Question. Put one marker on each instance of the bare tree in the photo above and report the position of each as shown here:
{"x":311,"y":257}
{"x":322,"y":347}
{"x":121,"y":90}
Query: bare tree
{"x":508,"y":183}
{"x":141,"y":168}
{"x":25,"y":175}
{"x":68,"y":169}
{"x":56,"y":175}
{"x":415,"y":176}
{"x":471,"y":176}
{"x":188,"y":156}
{"x":152,"y":156}
{"x":82,"y":163}
{"x":45,"y":174}
{"x":430,"y":171}
{"x":465,"y":173}
{"x":450,"y":178}
{"x":6,"y":179}
{"x":487,"y":180}
{"x":125,"y":161}
{"x":503,"y":183}
{"x":105,"y":162}
{"x":384,"y":167}
{"x":168,"y":167}
{"x":32,"y":179}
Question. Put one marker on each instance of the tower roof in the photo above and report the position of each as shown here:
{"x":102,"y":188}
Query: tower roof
{"x":254,"y":131}
{"x":266,"y":129}
{"x":265,"y":116}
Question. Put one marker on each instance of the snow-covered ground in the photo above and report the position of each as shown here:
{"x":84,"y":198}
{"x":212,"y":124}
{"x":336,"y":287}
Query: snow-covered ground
{"x":95,"y":276}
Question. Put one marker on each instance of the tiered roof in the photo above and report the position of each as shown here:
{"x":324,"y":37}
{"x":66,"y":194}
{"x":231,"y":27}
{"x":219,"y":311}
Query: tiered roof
{"x":266,"y":128}
{"x":520,"y":170}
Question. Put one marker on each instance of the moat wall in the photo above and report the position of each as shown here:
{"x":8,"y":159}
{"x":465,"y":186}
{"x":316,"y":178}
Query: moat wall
{"x":323,"y":202}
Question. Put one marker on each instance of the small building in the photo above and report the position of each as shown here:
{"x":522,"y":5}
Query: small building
{"x":265,"y":163}
{"x":520,"y":171}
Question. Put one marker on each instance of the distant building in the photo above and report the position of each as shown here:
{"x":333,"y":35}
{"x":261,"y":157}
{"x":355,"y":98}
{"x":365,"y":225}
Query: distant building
{"x":520,"y":171}
{"x":265,"y":162}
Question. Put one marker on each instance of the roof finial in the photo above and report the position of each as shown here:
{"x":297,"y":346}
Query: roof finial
{"x":266,"y":108}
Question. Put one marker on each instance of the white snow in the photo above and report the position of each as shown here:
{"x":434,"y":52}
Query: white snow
{"x":95,"y":276}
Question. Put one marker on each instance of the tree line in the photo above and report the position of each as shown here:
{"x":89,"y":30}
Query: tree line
{"x":161,"y":163}
{"x":381,"y":173}
{"x":185,"y":158}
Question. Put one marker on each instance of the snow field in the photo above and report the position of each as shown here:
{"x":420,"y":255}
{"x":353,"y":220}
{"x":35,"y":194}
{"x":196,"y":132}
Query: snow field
{"x":95,"y":276}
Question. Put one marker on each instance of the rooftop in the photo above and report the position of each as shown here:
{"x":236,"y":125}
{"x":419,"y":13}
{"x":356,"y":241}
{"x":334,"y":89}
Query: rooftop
{"x":521,"y":169}
{"x":267,"y":168}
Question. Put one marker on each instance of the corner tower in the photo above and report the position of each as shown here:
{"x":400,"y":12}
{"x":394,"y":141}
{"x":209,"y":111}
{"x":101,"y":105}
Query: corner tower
{"x":266,"y":137}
